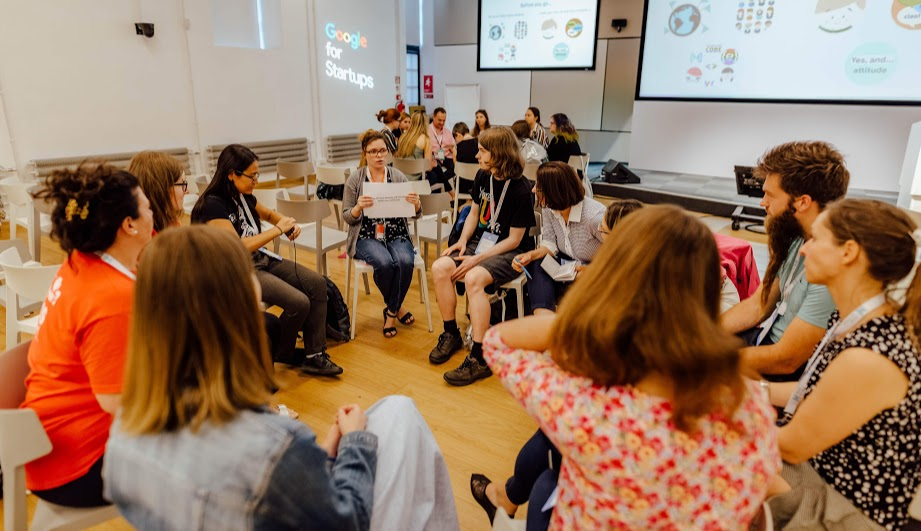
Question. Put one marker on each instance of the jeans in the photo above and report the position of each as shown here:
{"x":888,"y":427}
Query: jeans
{"x":537,"y":469}
{"x":393,"y":267}
{"x":301,"y":293}
{"x":543,"y":291}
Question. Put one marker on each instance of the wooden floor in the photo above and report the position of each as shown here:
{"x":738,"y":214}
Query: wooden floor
{"x":479,"y":427}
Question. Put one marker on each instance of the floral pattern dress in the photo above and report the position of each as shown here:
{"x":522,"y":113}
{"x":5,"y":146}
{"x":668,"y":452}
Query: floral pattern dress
{"x":626,"y":465}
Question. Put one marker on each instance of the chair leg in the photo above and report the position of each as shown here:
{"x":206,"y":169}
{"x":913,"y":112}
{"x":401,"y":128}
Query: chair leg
{"x":348,"y":280}
{"x":354,"y":303}
{"x":422,"y":282}
{"x":520,"y":294}
{"x":367,"y":286}
{"x":424,"y":289}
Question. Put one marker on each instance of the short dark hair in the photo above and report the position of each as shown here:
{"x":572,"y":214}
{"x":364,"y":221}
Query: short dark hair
{"x":559,"y":185}
{"x":438,"y":110}
{"x":618,"y":209}
{"x":90,"y":204}
{"x":460,"y":128}
{"x":521,"y":129}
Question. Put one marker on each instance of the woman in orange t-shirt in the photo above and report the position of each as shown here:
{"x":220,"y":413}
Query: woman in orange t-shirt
{"x":103,"y":220}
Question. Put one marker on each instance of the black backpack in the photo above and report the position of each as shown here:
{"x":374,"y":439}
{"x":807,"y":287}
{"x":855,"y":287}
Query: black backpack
{"x":338,"y":324}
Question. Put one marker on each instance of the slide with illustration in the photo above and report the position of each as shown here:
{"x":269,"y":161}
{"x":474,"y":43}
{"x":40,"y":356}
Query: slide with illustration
{"x":806,"y":50}
{"x":537,"y":34}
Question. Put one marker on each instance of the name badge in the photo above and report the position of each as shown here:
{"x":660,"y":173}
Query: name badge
{"x":487,"y":242}
{"x":270,"y":254}
{"x":380,"y":232}
{"x":440,"y":155}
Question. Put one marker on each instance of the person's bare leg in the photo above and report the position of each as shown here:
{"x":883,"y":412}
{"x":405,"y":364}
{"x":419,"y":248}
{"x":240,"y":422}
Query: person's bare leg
{"x":478,"y":279}
{"x":496,"y":494}
{"x":542,"y":311}
{"x":442,"y":269}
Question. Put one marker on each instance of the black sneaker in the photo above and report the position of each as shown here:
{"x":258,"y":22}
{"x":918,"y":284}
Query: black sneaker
{"x":320,"y":365}
{"x":448,"y":344}
{"x":468,"y":372}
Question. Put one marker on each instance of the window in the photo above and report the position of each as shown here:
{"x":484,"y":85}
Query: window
{"x":412,"y":76}
{"x":246,"y":23}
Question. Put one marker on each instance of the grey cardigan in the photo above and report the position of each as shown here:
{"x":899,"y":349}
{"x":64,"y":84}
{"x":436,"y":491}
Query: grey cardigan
{"x":353,"y":188}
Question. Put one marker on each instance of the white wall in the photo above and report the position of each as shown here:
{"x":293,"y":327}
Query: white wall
{"x":709,"y":138}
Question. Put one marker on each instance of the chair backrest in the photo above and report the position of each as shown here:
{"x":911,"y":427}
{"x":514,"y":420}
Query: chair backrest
{"x":44,"y":206}
{"x":266,"y":196}
{"x":421,"y":187}
{"x":535,"y":231}
{"x":331,"y":175}
{"x":16,"y":191}
{"x":466,"y":170}
{"x":14,"y":367}
{"x":530,"y":170}
{"x":410,"y":166}
{"x":435,"y":203}
{"x":293,"y":170}
{"x":314,"y":211}
{"x":27,"y":282}
{"x":22,"y":249}
{"x":22,"y":439}
{"x":202,"y":181}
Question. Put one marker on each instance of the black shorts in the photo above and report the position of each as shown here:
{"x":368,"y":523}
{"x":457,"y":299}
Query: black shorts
{"x":499,"y":266}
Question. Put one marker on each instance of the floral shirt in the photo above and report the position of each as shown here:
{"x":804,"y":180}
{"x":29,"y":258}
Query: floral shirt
{"x":626,"y":466}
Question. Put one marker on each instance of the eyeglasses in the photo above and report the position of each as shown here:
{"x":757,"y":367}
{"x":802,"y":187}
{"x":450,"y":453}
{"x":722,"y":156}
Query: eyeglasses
{"x":376,"y":152}
{"x":253,"y":177}
{"x":184,"y":185}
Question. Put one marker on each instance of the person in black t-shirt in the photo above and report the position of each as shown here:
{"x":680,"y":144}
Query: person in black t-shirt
{"x":494,"y":233}
{"x":565,"y":142}
{"x":228,"y":203}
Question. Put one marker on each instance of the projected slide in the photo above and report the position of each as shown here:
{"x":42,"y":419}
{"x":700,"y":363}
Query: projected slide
{"x":788,"y":50}
{"x":537,"y":34}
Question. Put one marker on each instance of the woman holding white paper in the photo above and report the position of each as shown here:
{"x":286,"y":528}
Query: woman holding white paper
{"x":570,"y":233}
{"x":383,"y":243}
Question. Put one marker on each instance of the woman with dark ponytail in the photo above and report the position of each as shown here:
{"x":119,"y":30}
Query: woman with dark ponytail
{"x":102,"y":220}
{"x":856,"y":453}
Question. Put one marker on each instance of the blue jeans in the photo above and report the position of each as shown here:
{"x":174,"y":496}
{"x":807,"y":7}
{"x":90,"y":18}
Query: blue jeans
{"x":543,"y":291}
{"x":393,"y":267}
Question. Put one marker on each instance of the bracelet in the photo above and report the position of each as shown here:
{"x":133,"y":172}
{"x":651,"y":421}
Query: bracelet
{"x":280,"y":232}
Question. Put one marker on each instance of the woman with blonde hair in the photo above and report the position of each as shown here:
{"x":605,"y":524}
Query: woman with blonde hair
{"x":195,"y":445}
{"x":165,"y":184}
{"x":851,"y":458}
{"x":415,"y":144}
{"x":384,"y":244}
{"x":639,"y":388}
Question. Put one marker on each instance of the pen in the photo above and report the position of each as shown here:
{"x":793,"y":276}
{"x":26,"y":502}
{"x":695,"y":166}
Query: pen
{"x":526,"y":274}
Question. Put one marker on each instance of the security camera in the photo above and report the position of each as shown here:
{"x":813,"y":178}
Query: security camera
{"x":619,"y":24}
{"x":144,"y":28}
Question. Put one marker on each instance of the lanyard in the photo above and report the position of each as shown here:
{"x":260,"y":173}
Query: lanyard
{"x":440,"y":137}
{"x":118,"y":266}
{"x":844,"y":325}
{"x":249,"y":215}
{"x":781,"y":308}
{"x":492,"y":203}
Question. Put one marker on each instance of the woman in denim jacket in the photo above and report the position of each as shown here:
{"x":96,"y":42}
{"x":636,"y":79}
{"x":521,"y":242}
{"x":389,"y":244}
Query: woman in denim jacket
{"x":195,"y":446}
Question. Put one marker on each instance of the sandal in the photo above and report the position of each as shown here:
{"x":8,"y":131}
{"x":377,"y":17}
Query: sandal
{"x":407,"y":319}
{"x":285,"y":411}
{"x":478,"y":484}
{"x":389,"y":331}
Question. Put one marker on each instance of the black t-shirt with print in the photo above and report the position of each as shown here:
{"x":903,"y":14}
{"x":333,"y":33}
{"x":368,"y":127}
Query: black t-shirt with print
{"x":216,"y":207}
{"x":517,"y":209}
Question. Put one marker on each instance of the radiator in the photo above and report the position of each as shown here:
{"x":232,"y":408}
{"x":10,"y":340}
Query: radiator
{"x":291,"y":149}
{"x":41,"y":168}
{"x":340,"y":148}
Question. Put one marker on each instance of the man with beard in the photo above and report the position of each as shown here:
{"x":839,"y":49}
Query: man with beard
{"x":785,"y":319}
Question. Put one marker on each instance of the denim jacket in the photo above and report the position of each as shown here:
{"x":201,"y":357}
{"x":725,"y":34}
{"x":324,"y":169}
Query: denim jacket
{"x":259,"y":471}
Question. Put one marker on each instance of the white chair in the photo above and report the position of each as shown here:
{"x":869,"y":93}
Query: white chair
{"x":22,"y":439}
{"x":358,"y":267}
{"x":296,"y":170}
{"x":411,"y":167}
{"x":504,"y":522}
{"x":333,"y":176}
{"x":433,"y":228}
{"x":25,"y":307}
{"x":21,"y":212}
{"x":530,"y":171}
{"x":321,"y":239}
{"x":466,"y":171}
{"x":580,"y":164}
{"x":30,"y":283}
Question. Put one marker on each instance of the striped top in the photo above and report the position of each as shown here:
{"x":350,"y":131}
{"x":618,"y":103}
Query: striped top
{"x":539,"y":135}
{"x":581,"y":237}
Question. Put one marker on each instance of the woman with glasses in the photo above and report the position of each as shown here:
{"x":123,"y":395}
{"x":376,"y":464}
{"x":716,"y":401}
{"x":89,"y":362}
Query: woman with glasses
{"x":570,"y":232}
{"x":228,"y":203}
{"x":383,"y":243}
{"x":164,"y":183}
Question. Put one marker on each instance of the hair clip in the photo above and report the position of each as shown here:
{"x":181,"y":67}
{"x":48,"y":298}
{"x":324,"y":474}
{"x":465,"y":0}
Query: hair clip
{"x":73,"y":208}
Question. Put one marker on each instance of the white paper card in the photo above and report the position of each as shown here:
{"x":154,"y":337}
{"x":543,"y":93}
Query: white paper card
{"x":560,"y":273}
{"x":389,"y":200}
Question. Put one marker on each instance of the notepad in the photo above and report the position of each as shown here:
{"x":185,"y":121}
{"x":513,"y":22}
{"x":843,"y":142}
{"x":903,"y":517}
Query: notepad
{"x":565,"y":272}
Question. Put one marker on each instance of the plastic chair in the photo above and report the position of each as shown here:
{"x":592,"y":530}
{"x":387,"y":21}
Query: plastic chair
{"x":320,"y":240}
{"x":530,"y":171}
{"x":23,"y":439}
{"x":21,"y":212}
{"x":411,"y":167}
{"x":504,"y":522}
{"x":333,"y":176}
{"x":24,"y":307}
{"x":359,"y":267}
{"x":29,"y":282}
{"x":295,"y":170}
{"x":432,"y":228}
{"x":466,"y":171}
{"x":580,"y":164}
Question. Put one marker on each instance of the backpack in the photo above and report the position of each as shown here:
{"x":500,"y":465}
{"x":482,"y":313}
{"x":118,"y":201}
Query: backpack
{"x":338,"y":324}
{"x":330,"y":191}
{"x":458,"y":227}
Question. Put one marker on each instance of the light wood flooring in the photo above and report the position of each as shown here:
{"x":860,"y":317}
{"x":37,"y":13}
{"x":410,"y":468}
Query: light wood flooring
{"x":479,"y":427}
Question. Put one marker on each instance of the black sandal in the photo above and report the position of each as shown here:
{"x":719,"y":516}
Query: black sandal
{"x":390,"y":331}
{"x":407,"y":319}
{"x":478,"y":484}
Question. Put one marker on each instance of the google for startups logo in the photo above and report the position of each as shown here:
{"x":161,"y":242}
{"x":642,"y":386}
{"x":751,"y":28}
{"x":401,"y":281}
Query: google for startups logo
{"x":353,"y":40}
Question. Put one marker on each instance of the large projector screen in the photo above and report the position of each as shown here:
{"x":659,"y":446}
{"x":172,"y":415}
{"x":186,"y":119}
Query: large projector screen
{"x":537,"y":34}
{"x":810,"y":51}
